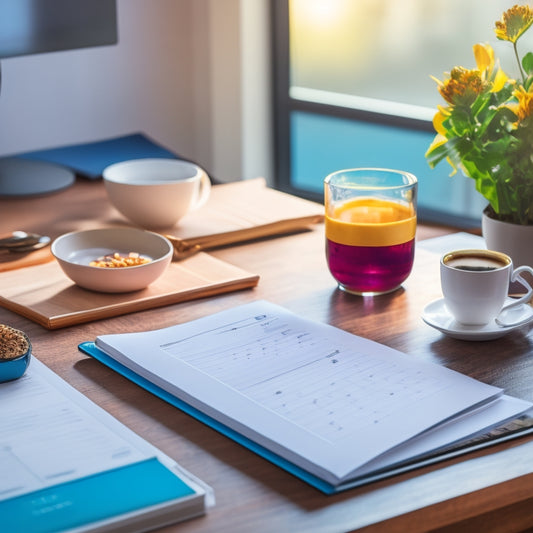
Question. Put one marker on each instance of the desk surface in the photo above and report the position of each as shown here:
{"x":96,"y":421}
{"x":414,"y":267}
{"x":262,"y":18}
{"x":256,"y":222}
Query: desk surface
{"x":490,"y":490}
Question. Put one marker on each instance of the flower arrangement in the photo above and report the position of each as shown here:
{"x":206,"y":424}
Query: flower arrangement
{"x":486,"y":127}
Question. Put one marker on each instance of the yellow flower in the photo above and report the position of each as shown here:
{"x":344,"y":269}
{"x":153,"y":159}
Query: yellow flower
{"x":484,"y":55}
{"x":523,"y":109}
{"x":463,"y":86}
{"x":439,"y":118}
{"x":514,"y":22}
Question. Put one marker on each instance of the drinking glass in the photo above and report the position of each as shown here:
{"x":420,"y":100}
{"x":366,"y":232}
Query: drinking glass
{"x":370,"y":228}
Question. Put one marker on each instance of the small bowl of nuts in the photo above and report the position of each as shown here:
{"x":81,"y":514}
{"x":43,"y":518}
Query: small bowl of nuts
{"x":15,"y":353}
{"x":113,"y":259}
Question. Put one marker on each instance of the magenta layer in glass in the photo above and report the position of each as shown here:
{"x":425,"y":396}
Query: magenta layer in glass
{"x":373,"y":269}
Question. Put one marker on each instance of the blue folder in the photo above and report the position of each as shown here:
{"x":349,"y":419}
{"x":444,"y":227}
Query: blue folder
{"x":89,"y":159}
{"x":91,"y":349}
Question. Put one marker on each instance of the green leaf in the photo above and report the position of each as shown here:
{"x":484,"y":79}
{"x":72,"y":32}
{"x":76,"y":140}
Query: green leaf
{"x":527,"y":63}
{"x":481,"y":103}
{"x":435,"y":155}
{"x":460,"y":121}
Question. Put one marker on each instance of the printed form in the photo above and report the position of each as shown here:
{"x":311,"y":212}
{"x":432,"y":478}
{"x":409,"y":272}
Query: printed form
{"x":46,"y":438}
{"x":321,"y":397}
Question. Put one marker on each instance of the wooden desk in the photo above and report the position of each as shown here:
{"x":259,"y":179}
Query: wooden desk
{"x":490,"y":490}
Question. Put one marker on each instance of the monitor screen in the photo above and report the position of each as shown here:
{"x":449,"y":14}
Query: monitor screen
{"x":38,"y":26}
{"x":29,"y":27}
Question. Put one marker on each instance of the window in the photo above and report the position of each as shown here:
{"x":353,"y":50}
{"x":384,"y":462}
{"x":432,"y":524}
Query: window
{"x":353,"y":88}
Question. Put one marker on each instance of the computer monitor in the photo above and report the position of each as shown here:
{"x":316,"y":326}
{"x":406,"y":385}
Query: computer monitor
{"x":30,"y":27}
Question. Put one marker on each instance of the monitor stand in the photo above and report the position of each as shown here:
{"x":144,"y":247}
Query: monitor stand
{"x":25,"y":177}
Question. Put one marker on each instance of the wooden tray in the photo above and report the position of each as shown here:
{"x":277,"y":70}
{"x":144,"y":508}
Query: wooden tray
{"x":45,"y":295}
{"x":12,"y":261}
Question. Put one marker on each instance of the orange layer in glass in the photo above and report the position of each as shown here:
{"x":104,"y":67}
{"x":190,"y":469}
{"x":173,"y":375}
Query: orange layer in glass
{"x":370,"y":222}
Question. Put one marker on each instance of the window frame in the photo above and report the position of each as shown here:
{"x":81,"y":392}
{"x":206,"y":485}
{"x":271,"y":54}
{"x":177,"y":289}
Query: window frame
{"x":284,"y":104}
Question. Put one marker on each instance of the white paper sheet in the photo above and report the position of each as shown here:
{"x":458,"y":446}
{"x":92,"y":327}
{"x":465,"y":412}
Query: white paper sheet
{"x":321,"y":397}
{"x":47,"y":439}
{"x":51,"y":434}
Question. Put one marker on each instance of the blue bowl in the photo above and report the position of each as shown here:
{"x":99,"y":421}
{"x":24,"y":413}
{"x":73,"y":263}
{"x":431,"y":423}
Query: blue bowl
{"x":14,"y":368}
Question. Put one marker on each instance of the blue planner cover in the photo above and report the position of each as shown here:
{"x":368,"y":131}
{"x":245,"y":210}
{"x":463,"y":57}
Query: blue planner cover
{"x":89,"y":159}
{"x":92,"y":499}
{"x":483,"y":441}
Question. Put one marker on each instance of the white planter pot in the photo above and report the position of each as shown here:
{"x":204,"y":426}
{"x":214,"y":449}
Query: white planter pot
{"x":514,"y":240}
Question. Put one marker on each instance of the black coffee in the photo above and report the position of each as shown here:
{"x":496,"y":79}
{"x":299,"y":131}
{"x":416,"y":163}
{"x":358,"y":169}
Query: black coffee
{"x":475,"y":263}
{"x":476,"y":268}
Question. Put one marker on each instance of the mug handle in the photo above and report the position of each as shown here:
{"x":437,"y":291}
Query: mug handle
{"x":205,"y":189}
{"x":523,"y":299}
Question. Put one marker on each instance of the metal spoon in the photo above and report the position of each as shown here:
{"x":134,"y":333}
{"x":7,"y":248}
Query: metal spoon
{"x":19,"y":238}
{"x":23,"y":242}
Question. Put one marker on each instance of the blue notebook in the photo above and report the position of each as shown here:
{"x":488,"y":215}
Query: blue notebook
{"x":93,"y":499}
{"x":69,"y":465}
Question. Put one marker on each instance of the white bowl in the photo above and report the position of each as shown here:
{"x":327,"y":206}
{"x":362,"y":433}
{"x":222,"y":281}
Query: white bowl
{"x":74,"y":251}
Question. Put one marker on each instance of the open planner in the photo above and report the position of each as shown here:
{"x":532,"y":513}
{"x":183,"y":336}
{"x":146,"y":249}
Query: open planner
{"x":333,"y":408}
{"x":67,"y":465}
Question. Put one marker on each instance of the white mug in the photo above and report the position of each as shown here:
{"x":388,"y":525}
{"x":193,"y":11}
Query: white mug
{"x":475,"y":285}
{"x":156,"y":193}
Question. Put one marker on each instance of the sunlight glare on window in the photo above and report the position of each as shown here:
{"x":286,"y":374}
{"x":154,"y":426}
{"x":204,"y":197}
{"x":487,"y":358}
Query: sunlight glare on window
{"x":386,"y":49}
{"x":318,"y":13}
{"x":317,"y":34}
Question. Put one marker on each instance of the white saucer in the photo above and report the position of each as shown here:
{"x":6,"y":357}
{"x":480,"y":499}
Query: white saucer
{"x":436,"y":315}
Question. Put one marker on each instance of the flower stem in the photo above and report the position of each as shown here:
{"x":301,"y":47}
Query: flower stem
{"x":518,"y":61}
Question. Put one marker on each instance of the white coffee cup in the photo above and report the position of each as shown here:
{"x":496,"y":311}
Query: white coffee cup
{"x":156,"y":193}
{"x":475,"y":285}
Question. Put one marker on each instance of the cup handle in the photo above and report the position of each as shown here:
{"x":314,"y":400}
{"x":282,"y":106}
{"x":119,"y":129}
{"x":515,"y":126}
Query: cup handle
{"x":523,"y":299}
{"x":205,"y":190}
